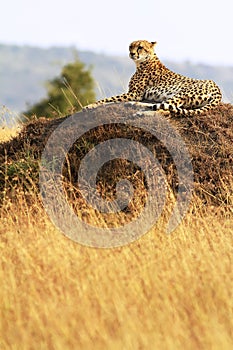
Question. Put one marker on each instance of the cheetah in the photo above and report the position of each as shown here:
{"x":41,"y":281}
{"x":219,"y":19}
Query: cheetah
{"x":155,"y":87}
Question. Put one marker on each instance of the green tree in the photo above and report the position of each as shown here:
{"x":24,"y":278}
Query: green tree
{"x":67,"y":93}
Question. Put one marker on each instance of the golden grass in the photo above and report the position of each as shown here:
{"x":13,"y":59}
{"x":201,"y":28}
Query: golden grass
{"x":161,"y":292}
{"x":9,"y":127}
{"x":8,"y":133}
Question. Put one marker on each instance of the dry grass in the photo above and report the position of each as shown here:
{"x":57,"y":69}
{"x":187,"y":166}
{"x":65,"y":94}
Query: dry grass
{"x":8,"y":133}
{"x":160,"y":292}
{"x":8,"y":124}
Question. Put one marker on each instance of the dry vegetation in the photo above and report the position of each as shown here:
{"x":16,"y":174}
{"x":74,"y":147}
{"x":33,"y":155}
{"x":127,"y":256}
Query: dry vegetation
{"x":160,"y":292}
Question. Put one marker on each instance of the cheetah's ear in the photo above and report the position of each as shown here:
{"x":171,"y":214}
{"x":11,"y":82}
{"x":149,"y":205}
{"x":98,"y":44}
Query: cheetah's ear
{"x":153,"y":43}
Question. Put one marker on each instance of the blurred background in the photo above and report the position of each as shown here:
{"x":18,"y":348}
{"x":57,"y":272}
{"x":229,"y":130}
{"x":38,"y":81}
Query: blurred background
{"x":38,"y":38}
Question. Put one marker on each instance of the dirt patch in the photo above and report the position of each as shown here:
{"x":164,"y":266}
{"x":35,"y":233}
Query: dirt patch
{"x":208,"y":138}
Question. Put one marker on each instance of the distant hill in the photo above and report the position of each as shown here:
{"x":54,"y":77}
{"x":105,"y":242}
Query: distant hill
{"x":24,"y":71}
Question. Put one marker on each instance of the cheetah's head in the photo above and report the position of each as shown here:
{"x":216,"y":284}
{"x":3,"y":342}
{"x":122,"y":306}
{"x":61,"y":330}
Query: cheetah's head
{"x":141,"y":50}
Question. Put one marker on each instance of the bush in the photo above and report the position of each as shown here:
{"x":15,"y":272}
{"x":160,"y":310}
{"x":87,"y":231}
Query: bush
{"x":68,"y":93}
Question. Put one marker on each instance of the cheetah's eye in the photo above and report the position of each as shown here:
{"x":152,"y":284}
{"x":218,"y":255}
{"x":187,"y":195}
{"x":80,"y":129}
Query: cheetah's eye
{"x":140,"y":47}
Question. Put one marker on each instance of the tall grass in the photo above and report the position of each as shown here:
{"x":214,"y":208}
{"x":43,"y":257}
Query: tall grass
{"x":160,"y":292}
{"x":9,"y":126}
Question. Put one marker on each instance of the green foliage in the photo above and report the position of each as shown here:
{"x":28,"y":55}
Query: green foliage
{"x":67,"y":93}
{"x":18,"y":176}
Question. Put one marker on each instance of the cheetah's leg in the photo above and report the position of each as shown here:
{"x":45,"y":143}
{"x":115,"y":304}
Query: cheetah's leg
{"x":164,"y":108}
{"x":174,"y":104}
{"x":114,"y":99}
{"x":181,"y":105}
{"x":212,"y":103}
{"x":144,"y":105}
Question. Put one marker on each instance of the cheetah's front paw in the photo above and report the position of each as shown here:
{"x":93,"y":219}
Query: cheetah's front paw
{"x":90,"y":107}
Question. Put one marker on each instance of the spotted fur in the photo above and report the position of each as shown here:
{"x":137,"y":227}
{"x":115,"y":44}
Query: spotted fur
{"x":156,"y":87}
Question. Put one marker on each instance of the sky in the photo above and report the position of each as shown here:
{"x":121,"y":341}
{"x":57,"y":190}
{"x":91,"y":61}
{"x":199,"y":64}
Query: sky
{"x":199,"y":31}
